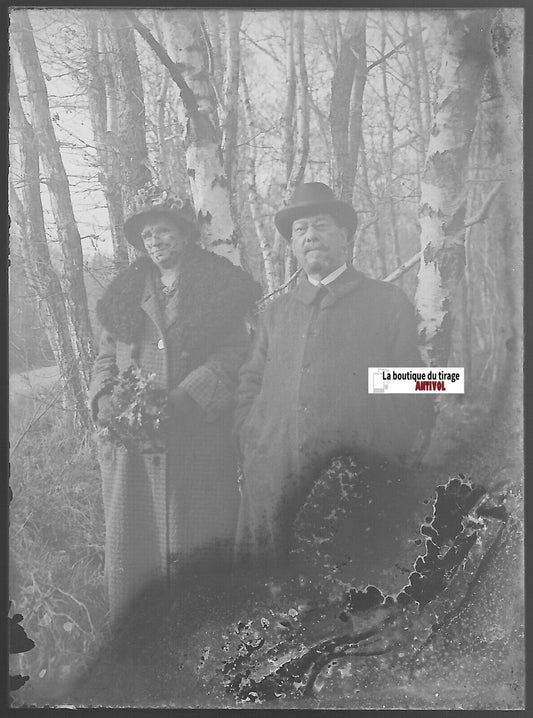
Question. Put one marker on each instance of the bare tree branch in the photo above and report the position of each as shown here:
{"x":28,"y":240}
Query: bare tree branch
{"x":261,"y":47}
{"x":393,"y":276}
{"x":187,"y":95}
{"x":482,"y":214}
{"x":389,"y":54}
{"x":282,"y":287}
{"x":479,"y":217}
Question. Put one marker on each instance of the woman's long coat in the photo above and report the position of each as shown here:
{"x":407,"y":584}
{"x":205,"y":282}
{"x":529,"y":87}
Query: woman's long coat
{"x":303,"y":396}
{"x":169,"y":507}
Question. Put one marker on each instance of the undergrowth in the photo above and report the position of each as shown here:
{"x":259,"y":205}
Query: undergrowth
{"x":56,"y":544}
{"x":57,"y":539}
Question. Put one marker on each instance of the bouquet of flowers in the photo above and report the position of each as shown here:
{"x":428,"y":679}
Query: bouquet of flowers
{"x":137,"y":412}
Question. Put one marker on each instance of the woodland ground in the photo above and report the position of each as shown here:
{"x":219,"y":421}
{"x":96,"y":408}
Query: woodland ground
{"x":56,"y":565}
{"x":56,"y":535}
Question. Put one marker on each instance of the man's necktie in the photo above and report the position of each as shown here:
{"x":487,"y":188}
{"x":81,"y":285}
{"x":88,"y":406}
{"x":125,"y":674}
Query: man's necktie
{"x":321,"y":292}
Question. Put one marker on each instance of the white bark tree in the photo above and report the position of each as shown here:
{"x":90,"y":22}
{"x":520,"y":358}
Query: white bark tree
{"x":103,"y":122}
{"x":230,"y":110}
{"x":507,"y":45}
{"x":130,"y":137}
{"x":302,"y":119}
{"x":26,"y":210}
{"x":59,"y":191}
{"x":253,"y":196}
{"x":209,"y":184}
{"x":443,"y":189}
{"x":346,"y":109}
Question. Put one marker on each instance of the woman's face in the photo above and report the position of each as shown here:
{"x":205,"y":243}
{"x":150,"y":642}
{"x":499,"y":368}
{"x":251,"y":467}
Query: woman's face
{"x":164,"y":241}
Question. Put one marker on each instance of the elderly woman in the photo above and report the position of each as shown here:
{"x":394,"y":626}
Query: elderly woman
{"x":178,"y":313}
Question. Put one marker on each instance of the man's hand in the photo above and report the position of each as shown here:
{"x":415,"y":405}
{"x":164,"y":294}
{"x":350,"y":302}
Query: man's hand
{"x":182,"y":406}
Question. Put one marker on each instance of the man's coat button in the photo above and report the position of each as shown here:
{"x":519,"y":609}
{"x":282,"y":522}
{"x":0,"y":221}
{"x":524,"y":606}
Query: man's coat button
{"x":160,"y":344}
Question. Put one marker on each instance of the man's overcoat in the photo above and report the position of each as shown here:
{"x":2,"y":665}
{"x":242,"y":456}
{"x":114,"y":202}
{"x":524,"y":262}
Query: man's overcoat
{"x":169,"y":505}
{"x":303,"y":396}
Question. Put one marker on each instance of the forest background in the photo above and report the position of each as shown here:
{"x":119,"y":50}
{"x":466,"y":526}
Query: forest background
{"x":412,"y":116}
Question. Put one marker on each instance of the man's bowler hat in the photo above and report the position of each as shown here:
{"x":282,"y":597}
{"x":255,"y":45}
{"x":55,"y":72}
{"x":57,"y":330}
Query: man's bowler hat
{"x":315,"y":198}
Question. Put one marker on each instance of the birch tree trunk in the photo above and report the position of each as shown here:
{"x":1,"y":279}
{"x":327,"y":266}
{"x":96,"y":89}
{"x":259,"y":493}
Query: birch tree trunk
{"x":282,"y":253}
{"x":424,"y":76}
{"x":507,"y":35}
{"x":301,"y":147}
{"x":112,"y":112}
{"x":418,"y":82}
{"x":301,"y":150}
{"x":27,"y":213}
{"x":230,"y":122}
{"x":356,"y":107}
{"x":253,"y":196}
{"x":213,"y":21}
{"x":109,"y":171}
{"x":443,"y":200}
{"x":58,"y":186}
{"x":164,"y":173}
{"x":379,"y":252}
{"x":389,"y":158}
{"x":346,"y":109}
{"x":130,"y":138}
{"x":197,"y":112}
{"x":290,"y":96}
{"x":336,"y":34}
{"x":171,"y":154}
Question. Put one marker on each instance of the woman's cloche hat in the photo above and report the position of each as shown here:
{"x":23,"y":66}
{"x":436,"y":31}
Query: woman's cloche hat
{"x":151,"y":202}
{"x":315,"y":198}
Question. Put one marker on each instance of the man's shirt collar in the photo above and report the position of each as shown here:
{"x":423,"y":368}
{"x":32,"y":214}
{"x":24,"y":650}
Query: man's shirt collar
{"x":346,"y":282}
{"x":330,"y":278}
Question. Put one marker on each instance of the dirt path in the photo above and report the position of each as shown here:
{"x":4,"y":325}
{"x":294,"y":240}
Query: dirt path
{"x":28,"y":383}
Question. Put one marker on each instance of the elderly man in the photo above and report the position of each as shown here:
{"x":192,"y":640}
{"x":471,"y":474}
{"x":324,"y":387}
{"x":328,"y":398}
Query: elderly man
{"x":177,"y":313}
{"x":303,"y":394}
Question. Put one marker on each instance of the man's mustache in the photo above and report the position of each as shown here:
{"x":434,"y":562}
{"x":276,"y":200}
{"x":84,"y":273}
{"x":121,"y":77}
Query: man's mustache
{"x":314,"y":248}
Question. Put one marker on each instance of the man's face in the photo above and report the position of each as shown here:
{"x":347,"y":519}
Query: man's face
{"x":319,"y":244}
{"x":164,"y":241}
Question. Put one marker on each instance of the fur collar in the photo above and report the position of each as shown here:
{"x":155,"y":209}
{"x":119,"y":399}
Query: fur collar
{"x":213,"y":296}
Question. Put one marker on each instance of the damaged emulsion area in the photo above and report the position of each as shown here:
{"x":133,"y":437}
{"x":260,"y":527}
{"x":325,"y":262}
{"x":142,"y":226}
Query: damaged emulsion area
{"x":459,"y":512}
{"x":450,"y":534}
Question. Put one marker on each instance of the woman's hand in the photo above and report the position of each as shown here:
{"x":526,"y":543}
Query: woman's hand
{"x":105,"y":408}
